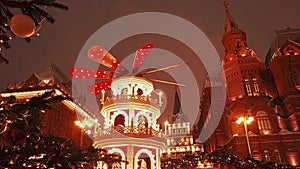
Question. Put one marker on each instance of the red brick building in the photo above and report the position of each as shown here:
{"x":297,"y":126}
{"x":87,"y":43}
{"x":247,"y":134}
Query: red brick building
{"x":60,"y":120}
{"x":269,"y":93}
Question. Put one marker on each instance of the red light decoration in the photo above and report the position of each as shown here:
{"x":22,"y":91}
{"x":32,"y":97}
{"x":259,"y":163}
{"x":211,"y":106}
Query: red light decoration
{"x":19,"y":85}
{"x":42,"y":83}
{"x":11,"y":86}
{"x":141,"y":55}
{"x":96,"y":53}
{"x":96,"y":89}
{"x":100,"y":55}
{"x":50,"y":83}
{"x":83,"y":73}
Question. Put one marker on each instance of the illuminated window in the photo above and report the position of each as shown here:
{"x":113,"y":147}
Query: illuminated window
{"x":255,"y":84}
{"x":263,"y":123}
{"x":278,"y":156}
{"x":267,"y":155}
{"x":290,"y":50}
{"x":144,"y":161}
{"x":248,"y":87}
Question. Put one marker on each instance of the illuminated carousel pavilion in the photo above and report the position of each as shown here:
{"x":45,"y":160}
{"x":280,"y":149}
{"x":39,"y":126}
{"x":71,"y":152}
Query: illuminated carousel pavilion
{"x":130,"y":113}
{"x":131,"y":130}
{"x":130,"y":127}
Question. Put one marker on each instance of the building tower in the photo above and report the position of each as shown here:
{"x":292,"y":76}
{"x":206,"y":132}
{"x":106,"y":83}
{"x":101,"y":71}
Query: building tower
{"x":240,"y":64}
{"x":130,"y":127}
{"x":284,"y":63}
{"x":247,"y":95}
{"x":261,"y":116}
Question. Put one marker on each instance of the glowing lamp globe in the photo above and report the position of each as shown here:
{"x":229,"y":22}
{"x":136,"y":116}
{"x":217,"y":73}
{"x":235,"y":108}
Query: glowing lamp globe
{"x":22,"y":26}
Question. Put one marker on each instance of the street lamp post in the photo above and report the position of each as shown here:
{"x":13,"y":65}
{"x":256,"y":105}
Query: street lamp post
{"x":246,"y":120}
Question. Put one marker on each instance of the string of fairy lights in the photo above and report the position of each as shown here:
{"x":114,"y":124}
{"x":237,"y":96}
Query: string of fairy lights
{"x":23,"y":19}
{"x":220,"y":160}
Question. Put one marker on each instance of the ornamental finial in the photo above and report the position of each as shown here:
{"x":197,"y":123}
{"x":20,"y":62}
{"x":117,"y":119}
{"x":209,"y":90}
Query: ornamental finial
{"x":226,"y":4}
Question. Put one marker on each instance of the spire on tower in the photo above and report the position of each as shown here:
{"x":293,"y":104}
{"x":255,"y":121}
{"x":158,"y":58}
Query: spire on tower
{"x":230,"y":23}
{"x":177,"y":105}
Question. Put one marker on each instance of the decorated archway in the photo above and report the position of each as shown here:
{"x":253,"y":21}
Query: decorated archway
{"x":144,"y":159}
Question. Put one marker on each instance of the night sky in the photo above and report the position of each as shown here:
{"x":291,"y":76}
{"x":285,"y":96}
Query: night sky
{"x":62,"y":41}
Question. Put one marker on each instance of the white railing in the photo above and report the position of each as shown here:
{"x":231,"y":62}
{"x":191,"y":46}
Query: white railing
{"x":132,"y":131}
{"x":131,"y":98}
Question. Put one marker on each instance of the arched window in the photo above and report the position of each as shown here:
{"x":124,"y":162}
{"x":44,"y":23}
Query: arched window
{"x":266,"y":155}
{"x":144,"y":161}
{"x":278,"y":156}
{"x":247,"y":87}
{"x":263,"y":123}
{"x":119,"y":120}
{"x":117,"y":165}
{"x":118,"y":154}
{"x":139,"y":92}
{"x":142,"y":125}
{"x":255,"y":84}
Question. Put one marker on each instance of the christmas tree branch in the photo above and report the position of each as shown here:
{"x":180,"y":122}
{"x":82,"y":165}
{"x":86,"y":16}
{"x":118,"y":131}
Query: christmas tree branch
{"x":35,"y":9}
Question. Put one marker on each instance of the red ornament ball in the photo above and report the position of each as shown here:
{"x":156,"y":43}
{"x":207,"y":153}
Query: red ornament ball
{"x":22,"y":26}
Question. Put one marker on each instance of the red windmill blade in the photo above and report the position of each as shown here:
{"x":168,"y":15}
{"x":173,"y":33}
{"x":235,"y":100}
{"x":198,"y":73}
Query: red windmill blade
{"x":83,"y":73}
{"x":101,"y":55}
{"x":140,"y":56}
{"x":97,"y":88}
